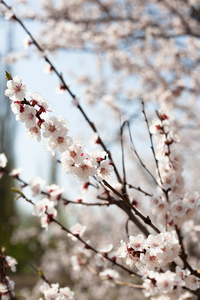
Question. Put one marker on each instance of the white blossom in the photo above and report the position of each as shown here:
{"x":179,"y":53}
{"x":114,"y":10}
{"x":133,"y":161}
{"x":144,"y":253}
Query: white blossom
{"x":36,"y":185}
{"x":78,"y":230}
{"x":11,"y":263}
{"x":3,"y":160}
{"x":16,"y":91}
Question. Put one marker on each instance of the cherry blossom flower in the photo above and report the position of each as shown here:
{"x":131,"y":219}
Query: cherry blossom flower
{"x":106,"y":249}
{"x":54,"y":292}
{"x":100,"y":260}
{"x":49,"y":291}
{"x":39,"y":100}
{"x":137,"y":243}
{"x":84,"y":170}
{"x":192,"y":282}
{"x":151,"y":260}
{"x":11,"y":263}
{"x":9,"y":14}
{"x":15,"y":172}
{"x":59,"y":88}
{"x":28,"y":116}
{"x":155,"y":251}
{"x":6,"y":288}
{"x":34,"y":132}
{"x":55,"y":192}
{"x":60,"y":141}
{"x":109,"y":274}
{"x":126,"y":254}
{"x":150,"y":287}
{"x":97,"y":156}
{"x":66,"y":294}
{"x":160,"y":208}
{"x":36,"y":185}
{"x":16,"y":91}
{"x":46,"y":210}
{"x":74,"y":153}
{"x":52,"y":127}
{"x":27,"y":41}
{"x":44,"y":206}
{"x":17,"y":108}
{"x":48,"y":69}
{"x":104,"y":170}
{"x":80,"y":259}
{"x":78,"y":230}
{"x":3,"y":160}
{"x":94,"y":139}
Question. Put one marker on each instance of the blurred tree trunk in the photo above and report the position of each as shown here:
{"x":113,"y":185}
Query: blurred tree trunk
{"x":7,"y":134}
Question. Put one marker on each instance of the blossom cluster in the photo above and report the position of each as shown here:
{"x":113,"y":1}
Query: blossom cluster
{"x":166,"y":150}
{"x":154,"y":252}
{"x":109,"y":27}
{"x":169,"y":283}
{"x":181,"y":205}
{"x":6,"y":288}
{"x":7,"y":285}
{"x":11,"y":263}
{"x":109,"y":275}
{"x":33,"y":113}
{"x":53,"y":291}
{"x":46,"y":210}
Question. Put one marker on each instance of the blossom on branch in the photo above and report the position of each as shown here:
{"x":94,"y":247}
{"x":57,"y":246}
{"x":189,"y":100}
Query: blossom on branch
{"x":16,"y":91}
{"x":155,"y":251}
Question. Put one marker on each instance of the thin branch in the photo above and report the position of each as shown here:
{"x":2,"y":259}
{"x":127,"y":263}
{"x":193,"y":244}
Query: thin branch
{"x":138,"y":156}
{"x":87,"y":246}
{"x":123,"y":161}
{"x":40,"y":274}
{"x":65,"y":200}
{"x":111,"y":201}
{"x":130,"y":284}
{"x":3,"y":276}
{"x":126,"y":227}
{"x":183,"y":253}
{"x":139,"y":189}
{"x":152,"y":146}
{"x":146,"y":220}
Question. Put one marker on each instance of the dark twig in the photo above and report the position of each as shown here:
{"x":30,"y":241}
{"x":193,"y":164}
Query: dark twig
{"x":40,"y":274}
{"x":146,"y":220}
{"x":183,"y":253}
{"x":151,"y":140}
{"x":3,"y":276}
{"x":139,"y":189}
{"x":126,"y":227}
{"x":65,"y":200}
{"x":139,"y":158}
{"x":123,"y":162}
{"x":87,"y":246}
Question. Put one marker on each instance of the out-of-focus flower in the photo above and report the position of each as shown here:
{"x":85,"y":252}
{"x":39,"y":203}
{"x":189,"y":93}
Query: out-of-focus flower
{"x":36,"y":185}
{"x":77,"y":230}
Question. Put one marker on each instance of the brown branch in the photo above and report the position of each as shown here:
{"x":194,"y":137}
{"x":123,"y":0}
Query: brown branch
{"x":139,"y":190}
{"x":40,"y":273}
{"x":87,"y":246}
{"x":146,"y":220}
{"x":152,"y":146}
{"x":138,"y":156}
{"x":3,"y":275}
